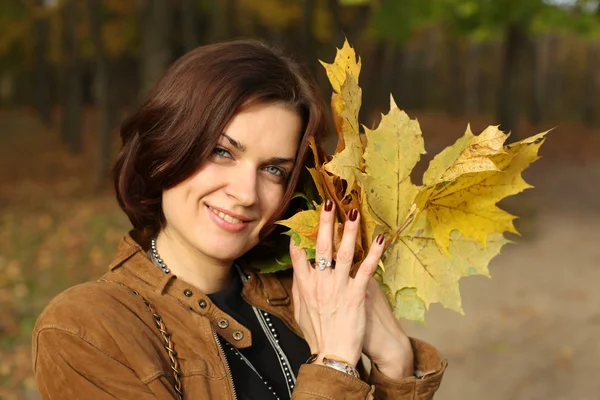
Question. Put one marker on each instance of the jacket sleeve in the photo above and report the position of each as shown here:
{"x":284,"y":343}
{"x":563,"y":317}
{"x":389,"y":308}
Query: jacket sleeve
{"x":321,"y":382}
{"x":428,"y":366}
{"x":67,"y":367}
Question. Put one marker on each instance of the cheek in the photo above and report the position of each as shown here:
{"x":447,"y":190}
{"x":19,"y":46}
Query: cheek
{"x":171,"y":202}
{"x":177,"y":199}
{"x":271,"y":198}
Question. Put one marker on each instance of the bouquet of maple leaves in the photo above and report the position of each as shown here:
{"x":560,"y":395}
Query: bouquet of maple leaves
{"x":449,"y":227}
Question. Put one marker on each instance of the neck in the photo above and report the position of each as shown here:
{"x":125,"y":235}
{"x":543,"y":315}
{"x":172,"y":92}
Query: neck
{"x":205,"y":273}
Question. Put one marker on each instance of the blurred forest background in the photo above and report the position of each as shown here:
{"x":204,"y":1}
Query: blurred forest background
{"x":71,"y":69}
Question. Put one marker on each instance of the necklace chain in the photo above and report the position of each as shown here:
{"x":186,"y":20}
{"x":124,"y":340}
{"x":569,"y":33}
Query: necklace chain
{"x":265,"y":323}
{"x":156,"y":258}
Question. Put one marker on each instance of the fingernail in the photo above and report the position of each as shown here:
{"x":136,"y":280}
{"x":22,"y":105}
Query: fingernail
{"x":379,"y":239}
{"x":328,"y":205}
{"x":299,"y":210}
{"x":353,"y":214}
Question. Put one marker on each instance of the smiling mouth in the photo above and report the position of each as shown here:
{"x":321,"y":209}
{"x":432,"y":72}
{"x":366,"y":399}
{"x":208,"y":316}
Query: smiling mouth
{"x":226,"y":217}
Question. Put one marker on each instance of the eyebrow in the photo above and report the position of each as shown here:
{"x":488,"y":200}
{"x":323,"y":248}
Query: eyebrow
{"x":281,"y":160}
{"x":234,"y":142}
{"x":274,"y":160}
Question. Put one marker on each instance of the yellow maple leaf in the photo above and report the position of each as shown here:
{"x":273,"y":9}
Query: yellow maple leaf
{"x":437,"y":233}
{"x":304,"y":227}
{"x":345,"y":104}
{"x":470,"y":153}
{"x":408,"y":304}
{"x":368,"y":223}
{"x":346,"y":162}
{"x":392,"y":151}
{"x":416,"y":262}
{"x":468,"y":202}
{"x":345,"y":63}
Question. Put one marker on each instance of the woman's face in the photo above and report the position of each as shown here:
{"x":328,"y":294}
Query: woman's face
{"x":221,"y":209}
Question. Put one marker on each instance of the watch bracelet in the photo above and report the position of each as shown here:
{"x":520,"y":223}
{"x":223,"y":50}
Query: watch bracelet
{"x":341,"y":366}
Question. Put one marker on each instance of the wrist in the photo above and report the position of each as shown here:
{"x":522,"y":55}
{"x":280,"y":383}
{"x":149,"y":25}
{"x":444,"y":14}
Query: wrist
{"x":318,"y":359}
{"x":396,"y":371}
{"x":399,"y":365}
{"x":336,"y":363}
{"x":351,"y":358}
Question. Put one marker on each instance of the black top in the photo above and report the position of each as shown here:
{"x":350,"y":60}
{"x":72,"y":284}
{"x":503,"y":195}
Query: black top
{"x":261,"y":354}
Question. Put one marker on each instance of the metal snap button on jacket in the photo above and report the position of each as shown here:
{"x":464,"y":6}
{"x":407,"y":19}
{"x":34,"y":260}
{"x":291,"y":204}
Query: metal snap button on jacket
{"x":187,"y":293}
{"x":202,"y":303}
{"x":222,"y":323}
{"x":238,"y":335}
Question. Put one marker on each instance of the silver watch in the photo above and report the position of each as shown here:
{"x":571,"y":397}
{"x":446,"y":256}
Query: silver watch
{"x":341,"y":366}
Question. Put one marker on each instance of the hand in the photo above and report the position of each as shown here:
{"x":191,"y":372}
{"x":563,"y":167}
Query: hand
{"x":329,"y":305}
{"x":385,"y":343}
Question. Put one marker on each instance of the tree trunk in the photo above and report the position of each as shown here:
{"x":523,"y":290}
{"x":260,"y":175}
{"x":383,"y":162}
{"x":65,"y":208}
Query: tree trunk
{"x":306,"y":37}
{"x":421,"y":74}
{"x":514,"y":46}
{"x":555,"y":80}
{"x":189,"y":23}
{"x":409,"y":59}
{"x":218,"y":21}
{"x":42,"y":74}
{"x":388,"y":72}
{"x":102,"y":85}
{"x":336,"y":19}
{"x":455,"y":85}
{"x":355,"y":31}
{"x":156,"y":41}
{"x":7,"y":88}
{"x":472,"y":78}
{"x":590,"y":107}
{"x":72,"y":109}
{"x":539,"y":69}
{"x":231,"y":18}
{"x":430,"y":85}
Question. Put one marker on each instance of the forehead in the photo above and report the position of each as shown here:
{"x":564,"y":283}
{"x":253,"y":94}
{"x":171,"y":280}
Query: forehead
{"x":267,"y":128}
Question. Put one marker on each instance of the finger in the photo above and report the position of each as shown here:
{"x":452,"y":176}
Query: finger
{"x":345,"y":253}
{"x":299,"y":261}
{"x":303,"y":318}
{"x":296,"y":299}
{"x":369,"y":265}
{"x":324,"y":245}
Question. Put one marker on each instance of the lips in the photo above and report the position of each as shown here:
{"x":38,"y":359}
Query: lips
{"x":227,"y":217}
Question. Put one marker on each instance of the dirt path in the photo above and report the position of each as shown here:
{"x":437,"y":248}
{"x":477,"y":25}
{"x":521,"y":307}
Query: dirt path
{"x":532,"y":331}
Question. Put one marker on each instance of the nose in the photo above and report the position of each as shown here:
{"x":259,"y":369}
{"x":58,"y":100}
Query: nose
{"x":243,"y":186}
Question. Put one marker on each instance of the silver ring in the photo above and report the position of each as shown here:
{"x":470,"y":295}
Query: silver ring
{"x":323,"y":263}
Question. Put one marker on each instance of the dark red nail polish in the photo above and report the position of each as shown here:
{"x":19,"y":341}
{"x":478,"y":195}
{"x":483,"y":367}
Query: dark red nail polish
{"x":299,"y":210}
{"x":328,"y":205}
{"x":379,"y":239}
{"x":353,"y":214}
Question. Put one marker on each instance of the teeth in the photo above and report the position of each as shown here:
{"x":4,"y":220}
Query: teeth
{"x":226,"y":217}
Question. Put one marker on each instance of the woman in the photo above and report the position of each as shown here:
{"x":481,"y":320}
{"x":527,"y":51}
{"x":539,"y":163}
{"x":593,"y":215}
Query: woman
{"x":209,"y":161}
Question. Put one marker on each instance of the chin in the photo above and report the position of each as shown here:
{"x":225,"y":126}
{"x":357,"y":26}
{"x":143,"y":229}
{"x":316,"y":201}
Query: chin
{"x":225,"y":250}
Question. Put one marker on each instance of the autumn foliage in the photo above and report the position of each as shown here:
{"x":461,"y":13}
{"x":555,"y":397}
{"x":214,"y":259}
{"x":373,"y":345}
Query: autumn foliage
{"x":447,"y":228}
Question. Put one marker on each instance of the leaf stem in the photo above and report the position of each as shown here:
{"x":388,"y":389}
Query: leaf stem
{"x":409,"y":218}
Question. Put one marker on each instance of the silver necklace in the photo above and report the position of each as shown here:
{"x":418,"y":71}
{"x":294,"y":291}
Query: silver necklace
{"x":265,"y":322}
{"x":156,"y":258}
{"x":267,"y":326}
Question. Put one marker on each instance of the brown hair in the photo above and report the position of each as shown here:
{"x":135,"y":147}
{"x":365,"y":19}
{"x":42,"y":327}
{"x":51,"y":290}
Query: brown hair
{"x":176,"y":127}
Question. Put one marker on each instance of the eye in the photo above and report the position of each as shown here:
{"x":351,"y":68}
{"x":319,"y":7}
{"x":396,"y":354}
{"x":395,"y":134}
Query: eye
{"x":276,"y":171}
{"x":221,"y":152}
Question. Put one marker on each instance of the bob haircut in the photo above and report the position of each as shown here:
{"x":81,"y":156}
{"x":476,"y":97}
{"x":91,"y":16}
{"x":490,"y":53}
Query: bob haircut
{"x":174,"y":130}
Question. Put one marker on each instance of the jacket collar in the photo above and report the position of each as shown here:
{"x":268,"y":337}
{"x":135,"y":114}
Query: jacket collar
{"x":264,"y":291}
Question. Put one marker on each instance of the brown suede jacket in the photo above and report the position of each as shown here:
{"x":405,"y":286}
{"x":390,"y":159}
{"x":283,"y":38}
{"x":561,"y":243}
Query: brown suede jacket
{"x":100,"y":340}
